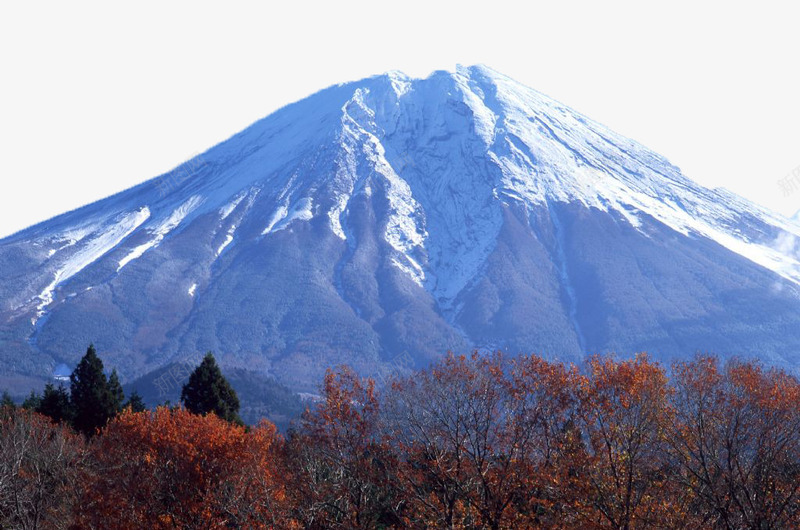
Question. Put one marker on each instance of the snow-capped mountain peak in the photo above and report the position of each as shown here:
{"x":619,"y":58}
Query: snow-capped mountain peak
{"x":464,"y":208}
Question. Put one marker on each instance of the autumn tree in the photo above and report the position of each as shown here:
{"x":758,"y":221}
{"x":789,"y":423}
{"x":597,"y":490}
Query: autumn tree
{"x":485,"y":442}
{"x":545,"y":400}
{"x":623,"y":413}
{"x":208,"y":391}
{"x":479,"y":441}
{"x":173,"y":469}
{"x":735,"y":444}
{"x":40,"y":463}
{"x":429,"y":417}
{"x":343,"y":474}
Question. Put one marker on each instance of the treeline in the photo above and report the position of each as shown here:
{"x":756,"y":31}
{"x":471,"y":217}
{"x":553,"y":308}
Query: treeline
{"x":93,"y":398}
{"x":472,"y":442}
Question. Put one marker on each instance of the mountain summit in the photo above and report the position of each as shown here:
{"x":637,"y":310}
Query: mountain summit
{"x":382,"y":222}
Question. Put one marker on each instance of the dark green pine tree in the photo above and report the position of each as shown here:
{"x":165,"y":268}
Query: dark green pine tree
{"x":6,"y":402}
{"x":55,"y":404}
{"x":32,"y":401}
{"x":208,"y":391}
{"x":115,"y":391}
{"x":135,"y":403}
{"x":91,"y":398}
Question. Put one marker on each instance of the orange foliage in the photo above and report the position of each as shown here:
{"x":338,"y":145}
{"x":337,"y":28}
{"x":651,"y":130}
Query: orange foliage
{"x":624,"y":408}
{"x":484,"y":443}
{"x":472,"y":442}
{"x":339,"y":472}
{"x":735,"y":444}
{"x":173,"y":469}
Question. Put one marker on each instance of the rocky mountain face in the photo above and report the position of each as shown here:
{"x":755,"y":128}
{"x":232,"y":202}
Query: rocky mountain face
{"x":382,"y":222}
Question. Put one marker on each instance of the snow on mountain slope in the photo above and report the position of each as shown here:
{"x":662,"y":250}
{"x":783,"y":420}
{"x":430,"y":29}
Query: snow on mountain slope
{"x":575,"y":159}
{"x":394,"y":215}
{"x":159,"y":232}
{"x":95,"y":248}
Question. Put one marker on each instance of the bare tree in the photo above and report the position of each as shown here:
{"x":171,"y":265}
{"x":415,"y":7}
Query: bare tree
{"x":480,"y":439}
{"x":40,"y":465}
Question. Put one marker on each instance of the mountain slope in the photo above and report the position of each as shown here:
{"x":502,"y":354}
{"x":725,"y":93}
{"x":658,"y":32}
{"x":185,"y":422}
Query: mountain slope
{"x":381,"y":222}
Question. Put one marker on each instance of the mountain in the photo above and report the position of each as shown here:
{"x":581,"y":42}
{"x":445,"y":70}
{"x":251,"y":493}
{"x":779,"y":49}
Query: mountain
{"x":380,"y":223}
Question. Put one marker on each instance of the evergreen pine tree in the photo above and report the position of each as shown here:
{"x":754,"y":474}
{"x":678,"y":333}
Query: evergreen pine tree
{"x":115,"y":391}
{"x":55,"y":404}
{"x":6,"y":402}
{"x":32,"y":401}
{"x":135,"y":402}
{"x":208,"y":391}
{"x":91,"y":397}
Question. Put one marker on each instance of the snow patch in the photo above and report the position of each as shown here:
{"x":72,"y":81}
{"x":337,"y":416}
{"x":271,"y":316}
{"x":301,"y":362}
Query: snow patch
{"x":228,"y":209}
{"x":169,"y":224}
{"x":484,"y":119}
{"x":228,"y":240}
{"x":411,"y":268}
{"x":277,"y":216}
{"x":335,"y":216}
{"x":401,"y":84}
{"x":346,"y":177}
{"x":95,"y":248}
{"x":283,"y":216}
{"x":71,"y":237}
{"x":404,"y":231}
{"x":547,"y":152}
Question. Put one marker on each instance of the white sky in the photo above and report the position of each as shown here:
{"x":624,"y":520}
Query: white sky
{"x":95,"y":98}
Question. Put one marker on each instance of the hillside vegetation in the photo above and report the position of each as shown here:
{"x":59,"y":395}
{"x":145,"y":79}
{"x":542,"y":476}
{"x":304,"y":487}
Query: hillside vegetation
{"x":472,"y":442}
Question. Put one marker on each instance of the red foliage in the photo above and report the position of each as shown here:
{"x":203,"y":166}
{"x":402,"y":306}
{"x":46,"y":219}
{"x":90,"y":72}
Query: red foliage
{"x":735,"y":444}
{"x":173,"y":469}
{"x":340,"y":472}
{"x":473,"y":442}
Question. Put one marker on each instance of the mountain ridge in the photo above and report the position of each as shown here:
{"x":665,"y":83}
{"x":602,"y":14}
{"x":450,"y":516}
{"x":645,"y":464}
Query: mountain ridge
{"x":395,"y":215}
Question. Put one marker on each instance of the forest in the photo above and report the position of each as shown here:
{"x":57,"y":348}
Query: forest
{"x":473,"y":441}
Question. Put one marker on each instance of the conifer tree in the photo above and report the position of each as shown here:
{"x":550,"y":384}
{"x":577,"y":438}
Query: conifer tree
{"x":6,"y":400}
{"x":91,"y":397}
{"x":115,"y":391}
{"x":208,"y":391}
{"x":135,"y":403}
{"x":32,"y":401}
{"x":7,"y":405}
{"x":55,"y":404}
